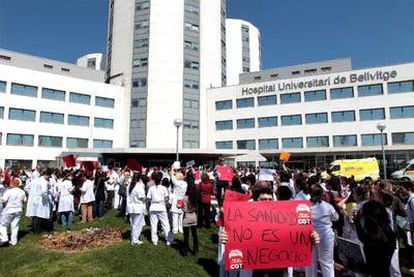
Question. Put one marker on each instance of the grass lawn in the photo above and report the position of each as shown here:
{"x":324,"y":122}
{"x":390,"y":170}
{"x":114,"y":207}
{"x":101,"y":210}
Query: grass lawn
{"x":120,"y":259}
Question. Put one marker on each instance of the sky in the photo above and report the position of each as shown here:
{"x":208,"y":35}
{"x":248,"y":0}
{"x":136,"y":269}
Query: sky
{"x":371,"y":32}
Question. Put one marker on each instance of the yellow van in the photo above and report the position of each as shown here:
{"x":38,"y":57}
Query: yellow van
{"x":359,"y":168}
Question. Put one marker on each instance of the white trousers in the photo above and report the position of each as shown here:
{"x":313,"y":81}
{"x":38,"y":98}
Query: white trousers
{"x":322,"y":253}
{"x":136,"y":221}
{"x":177,"y":222}
{"x":163,"y":217}
{"x":395,"y":264}
{"x":12,"y":220}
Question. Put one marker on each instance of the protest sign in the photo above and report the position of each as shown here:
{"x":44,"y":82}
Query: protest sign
{"x":176,"y":165}
{"x":134,"y":165}
{"x":266,"y":174}
{"x":69,"y":160}
{"x":352,"y":250}
{"x":225,"y":173}
{"x":235,"y":196}
{"x":267,"y":234}
{"x":284,"y":156}
{"x":190,"y":163}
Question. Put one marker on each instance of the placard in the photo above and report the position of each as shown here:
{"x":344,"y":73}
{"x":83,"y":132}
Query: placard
{"x":266,"y":174}
{"x":284,"y":156}
{"x":267,"y":234}
{"x":352,"y":250}
{"x":225,"y":173}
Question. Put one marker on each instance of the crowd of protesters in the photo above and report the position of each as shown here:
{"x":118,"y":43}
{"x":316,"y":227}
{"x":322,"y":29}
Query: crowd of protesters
{"x":378,"y":215}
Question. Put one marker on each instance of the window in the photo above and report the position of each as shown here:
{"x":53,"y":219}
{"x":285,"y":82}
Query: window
{"x":2,"y":86}
{"x":341,"y":93}
{"x":191,"y":64}
{"x":76,"y":143}
{"x":399,"y":87}
{"x":49,"y":141}
{"x":224,"y":105}
{"x":49,"y":117}
{"x":192,"y":104}
{"x":403,"y":138}
{"x":267,"y":121}
{"x":291,"y":120}
{"x":1,"y":112}
{"x":224,"y":144}
{"x":326,"y":68}
{"x":5,"y":58}
{"x":139,"y":83}
{"x":103,"y":123}
{"x":191,"y":45}
{"x":191,"y":27}
{"x":295,"y":72}
{"x":20,"y":114}
{"x":322,"y":141}
{"x":141,"y":43}
{"x":53,"y":94}
{"x":372,"y":114}
{"x":402,"y":112}
{"x":142,"y":24}
{"x":191,"y":124}
{"x":191,"y":144}
{"x":373,"y":139}
{"x":316,"y":95}
{"x":65,"y":69}
{"x":316,"y":118}
{"x":191,"y":84}
{"x":310,"y":71}
{"x":245,"y":123}
{"x":79,"y":98}
{"x":104,"y":102}
{"x":245,"y":102}
{"x":143,"y":62}
{"x":91,"y":63}
{"x":102,"y":143}
{"x":266,"y":144}
{"x":191,"y":8}
{"x":246,"y":144}
{"x":246,"y":69}
{"x":370,"y":90}
{"x":224,"y":125}
{"x":343,"y":116}
{"x":290,"y":98}
{"x":292,"y":143}
{"x":20,"y":139}
{"x":78,"y":120}
{"x":142,"y":6}
{"x":346,"y":140}
{"x":24,"y":90}
{"x":267,"y":100}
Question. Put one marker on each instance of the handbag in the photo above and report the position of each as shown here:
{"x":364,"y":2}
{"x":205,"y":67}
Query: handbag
{"x":180,"y":203}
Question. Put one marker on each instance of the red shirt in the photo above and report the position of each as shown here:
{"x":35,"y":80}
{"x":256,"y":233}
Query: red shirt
{"x":206,"y":190}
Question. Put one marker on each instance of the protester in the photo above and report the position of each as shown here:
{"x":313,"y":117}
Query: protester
{"x":13,"y":200}
{"x":87,"y":199}
{"x":100,"y":193}
{"x":178,"y":193}
{"x":206,"y":190}
{"x":66,"y":207}
{"x":190,"y":219}
{"x":135,"y":207}
{"x":157,"y":195}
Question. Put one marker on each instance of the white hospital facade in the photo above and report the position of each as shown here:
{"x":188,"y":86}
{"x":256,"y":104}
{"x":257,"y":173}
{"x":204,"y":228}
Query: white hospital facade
{"x":189,"y":61}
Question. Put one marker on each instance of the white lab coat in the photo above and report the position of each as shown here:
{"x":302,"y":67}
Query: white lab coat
{"x":64,"y":190}
{"x":39,"y":202}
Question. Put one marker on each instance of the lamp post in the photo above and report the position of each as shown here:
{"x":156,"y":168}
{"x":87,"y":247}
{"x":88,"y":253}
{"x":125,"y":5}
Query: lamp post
{"x":381,"y":127}
{"x":177,"y":123}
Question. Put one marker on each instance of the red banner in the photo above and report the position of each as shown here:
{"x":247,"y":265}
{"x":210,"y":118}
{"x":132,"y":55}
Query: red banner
{"x":235,"y":196}
{"x":134,"y":165}
{"x":225,"y":173}
{"x":267,"y":234}
{"x":69,"y":160}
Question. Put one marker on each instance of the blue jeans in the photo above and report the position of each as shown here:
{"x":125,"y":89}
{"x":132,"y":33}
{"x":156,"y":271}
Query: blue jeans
{"x":100,"y":205}
{"x":67,"y":219}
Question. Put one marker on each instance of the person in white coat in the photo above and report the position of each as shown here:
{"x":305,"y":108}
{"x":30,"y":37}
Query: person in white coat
{"x":66,"y":207}
{"x":323,"y":214}
{"x":39,"y":204}
{"x":135,"y":207}
{"x":87,"y":198}
{"x":13,"y":200}
{"x":157,"y":196}
{"x":178,"y":193}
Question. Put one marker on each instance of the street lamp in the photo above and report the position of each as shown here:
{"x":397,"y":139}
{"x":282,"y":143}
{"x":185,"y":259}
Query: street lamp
{"x":381,"y":127}
{"x":177,"y":123}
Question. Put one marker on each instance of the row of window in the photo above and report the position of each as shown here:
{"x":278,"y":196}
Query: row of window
{"x":57,"y":118}
{"x":58,"y":95}
{"x":317,"y":141}
{"x":317,"y":95}
{"x":317,"y":118}
{"x":54,"y":141}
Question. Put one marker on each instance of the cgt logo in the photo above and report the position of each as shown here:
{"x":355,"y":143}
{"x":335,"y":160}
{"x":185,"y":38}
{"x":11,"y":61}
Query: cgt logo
{"x":303,"y":214}
{"x":236,"y":259}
